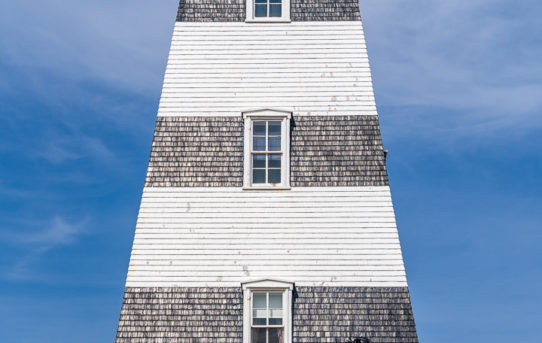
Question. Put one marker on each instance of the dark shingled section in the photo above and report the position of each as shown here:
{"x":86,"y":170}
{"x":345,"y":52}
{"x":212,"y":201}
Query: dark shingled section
{"x":324,"y":10}
{"x":337,"y":151}
{"x":196,"y":152}
{"x":326,"y":151}
{"x":234,"y":10}
{"x":320,"y":314}
{"x":181,"y":315}
{"x":333,"y":314}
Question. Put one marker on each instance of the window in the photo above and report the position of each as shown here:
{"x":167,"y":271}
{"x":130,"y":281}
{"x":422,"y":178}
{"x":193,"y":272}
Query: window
{"x":268,"y":8}
{"x":268,"y":11}
{"x":267,"y":317}
{"x":267,"y":152}
{"x":267,"y":313}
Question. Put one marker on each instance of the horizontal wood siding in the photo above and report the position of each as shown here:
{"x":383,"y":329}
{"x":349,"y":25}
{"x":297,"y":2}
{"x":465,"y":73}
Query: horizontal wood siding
{"x":310,"y":68}
{"x":220,"y":237}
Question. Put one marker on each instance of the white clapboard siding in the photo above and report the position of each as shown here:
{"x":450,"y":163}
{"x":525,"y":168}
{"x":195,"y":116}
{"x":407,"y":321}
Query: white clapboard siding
{"x":225,"y":236}
{"x":309,"y":68}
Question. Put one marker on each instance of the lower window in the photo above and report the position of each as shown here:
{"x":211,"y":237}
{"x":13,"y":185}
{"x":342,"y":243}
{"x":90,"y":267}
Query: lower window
{"x":267,"y":317}
{"x":267,"y":311}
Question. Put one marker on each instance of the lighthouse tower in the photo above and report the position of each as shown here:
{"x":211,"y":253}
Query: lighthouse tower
{"x":266,"y":215}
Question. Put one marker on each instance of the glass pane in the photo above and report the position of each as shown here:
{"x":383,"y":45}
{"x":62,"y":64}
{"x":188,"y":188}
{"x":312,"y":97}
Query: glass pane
{"x":258,"y":161}
{"x":258,"y":335}
{"x":259,"y":317}
{"x":276,"y":335}
{"x":258,"y":176}
{"x":259,"y":128}
{"x":263,"y":1}
{"x":261,"y":11}
{"x":260,"y":300}
{"x":274,"y":161}
{"x":275,"y":317}
{"x":259,"y":144}
{"x":274,"y":143}
{"x":275,"y":11}
{"x":274,"y":175}
{"x":273,"y":1}
{"x":274,"y":128}
{"x":275,"y":300}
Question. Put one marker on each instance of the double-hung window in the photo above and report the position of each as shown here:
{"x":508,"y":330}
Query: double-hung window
{"x":267,"y":8}
{"x":268,"y":11}
{"x":267,"y":152}
{"x":267,"y":317}
{"x":267,"y":312}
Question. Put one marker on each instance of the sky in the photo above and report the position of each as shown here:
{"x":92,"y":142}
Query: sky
{"x":459,"y":92}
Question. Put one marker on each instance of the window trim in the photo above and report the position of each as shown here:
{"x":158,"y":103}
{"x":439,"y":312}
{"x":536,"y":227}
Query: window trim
{"x":267,"y":114}
{"x":251,"y":17}
{"x":267,"y":285}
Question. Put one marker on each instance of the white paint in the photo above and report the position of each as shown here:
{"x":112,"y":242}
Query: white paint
{"x":309,"y":68}
{"x":222,"y":237}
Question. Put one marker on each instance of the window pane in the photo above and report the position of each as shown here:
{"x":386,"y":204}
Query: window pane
{"x":259,"y":317}
{"x":274,"y":161}
{"x":274,"y":143}
{"x":258,"y":176}
{"x":275,"y":300}
{"x":261,"y":11}
{"x":275,"y":317}
{"x":275,"y":11}
{"x":274,"y":128}
{"x":273,"y":1}
{"x":260,"y":300}
{"x":258,"y":335}
{"x":276,"y":335}
{"x":274,"y":175}
{"x":259,"y":144}
{"x":259,"y":128}
{"x":258,"y":161}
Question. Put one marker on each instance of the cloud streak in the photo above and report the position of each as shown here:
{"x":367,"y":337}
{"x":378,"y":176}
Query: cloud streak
{"x":479,"y":58}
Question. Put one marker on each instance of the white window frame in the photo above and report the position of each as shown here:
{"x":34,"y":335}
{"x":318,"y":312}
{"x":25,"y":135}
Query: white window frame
{"x":267,"y":285}
{"x":267,"y":114}
{"x":251,"y":17}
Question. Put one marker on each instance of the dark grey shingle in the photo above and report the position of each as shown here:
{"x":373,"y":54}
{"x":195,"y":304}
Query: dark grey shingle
{"x":235,"y":10}
{"x":320,"y":314}
{"x":326,"y":151}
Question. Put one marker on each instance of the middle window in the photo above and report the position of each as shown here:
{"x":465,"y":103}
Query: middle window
{"x":267,"y":152}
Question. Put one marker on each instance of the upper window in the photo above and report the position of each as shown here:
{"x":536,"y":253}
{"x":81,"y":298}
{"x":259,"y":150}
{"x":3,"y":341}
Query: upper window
{"x":267,"y":314}
{"x":267,"y":153}
{"x":268,"y":11}
{"x":268,"y":8}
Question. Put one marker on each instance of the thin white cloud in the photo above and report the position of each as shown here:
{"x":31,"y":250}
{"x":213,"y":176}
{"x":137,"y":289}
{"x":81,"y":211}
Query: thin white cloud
{"x":58,"y":232}
{"x":478,"y":58}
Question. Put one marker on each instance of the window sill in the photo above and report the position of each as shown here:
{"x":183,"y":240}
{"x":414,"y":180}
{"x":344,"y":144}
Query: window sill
{"x":268,"y":188}
{"x":268,"y":20}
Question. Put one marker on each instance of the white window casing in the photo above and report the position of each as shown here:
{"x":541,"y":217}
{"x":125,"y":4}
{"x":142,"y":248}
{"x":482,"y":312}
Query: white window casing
{"x":275,"y":286}
{"x":251,"y":15}
{"x":266,"y":115}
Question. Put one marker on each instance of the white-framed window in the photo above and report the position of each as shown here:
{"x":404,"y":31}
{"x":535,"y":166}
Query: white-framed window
{"x":267,"y":312}
{"x":268,"y":11}
{"x":267,"y":149}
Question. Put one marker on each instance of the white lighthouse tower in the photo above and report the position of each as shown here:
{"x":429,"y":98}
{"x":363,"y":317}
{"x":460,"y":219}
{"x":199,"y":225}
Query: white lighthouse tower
{"x":266,"y":215}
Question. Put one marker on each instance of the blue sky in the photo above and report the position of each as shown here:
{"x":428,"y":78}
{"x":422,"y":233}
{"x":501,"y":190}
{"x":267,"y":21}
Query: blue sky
{"x":459,"y":88}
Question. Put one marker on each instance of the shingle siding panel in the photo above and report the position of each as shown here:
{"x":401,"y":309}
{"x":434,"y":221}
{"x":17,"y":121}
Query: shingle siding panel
{"x":235,"y":10}
{"x":320,"y":314}
{"x":326,"y":151}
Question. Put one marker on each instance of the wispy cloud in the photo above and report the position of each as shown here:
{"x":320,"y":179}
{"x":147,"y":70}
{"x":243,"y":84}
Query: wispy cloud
{"x":479,"y":58}
{"x":34,"y":244}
